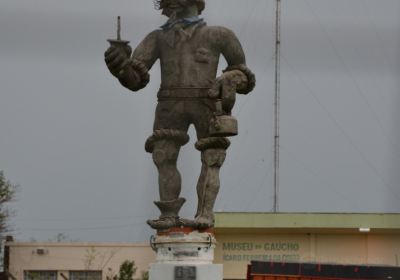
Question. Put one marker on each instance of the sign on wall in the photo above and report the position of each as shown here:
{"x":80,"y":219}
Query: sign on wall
{"x":235,"y":252}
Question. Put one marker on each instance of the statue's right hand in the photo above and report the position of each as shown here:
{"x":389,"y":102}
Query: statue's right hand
{"x":116,"y":60}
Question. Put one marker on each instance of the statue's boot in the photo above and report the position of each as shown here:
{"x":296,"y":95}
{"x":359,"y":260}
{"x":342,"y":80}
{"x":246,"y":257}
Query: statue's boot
{"x":169,"y":214}
{"x":208,"y":187}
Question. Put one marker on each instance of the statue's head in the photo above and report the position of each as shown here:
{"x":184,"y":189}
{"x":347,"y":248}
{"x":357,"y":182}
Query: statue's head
{"x":170,"y":7}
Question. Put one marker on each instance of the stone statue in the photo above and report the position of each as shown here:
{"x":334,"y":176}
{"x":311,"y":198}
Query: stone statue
{"x":190,"y":93}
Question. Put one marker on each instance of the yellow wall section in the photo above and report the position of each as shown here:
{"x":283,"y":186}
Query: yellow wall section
{"x":236,"y":251}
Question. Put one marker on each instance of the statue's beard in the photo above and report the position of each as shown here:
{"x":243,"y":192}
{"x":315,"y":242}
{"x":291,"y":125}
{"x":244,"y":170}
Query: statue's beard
{"x":171,"y":13}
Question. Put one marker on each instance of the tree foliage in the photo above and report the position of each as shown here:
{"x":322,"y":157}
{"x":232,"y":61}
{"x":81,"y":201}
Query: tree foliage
{"x":7,"y":192}
{"x":145,"y":275}
{"x":126,"y":271}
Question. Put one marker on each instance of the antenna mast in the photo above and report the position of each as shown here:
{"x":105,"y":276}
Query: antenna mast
{"x":277,"y":102}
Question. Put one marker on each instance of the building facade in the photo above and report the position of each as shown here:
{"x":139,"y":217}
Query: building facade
{"x":75,"y":261}
{"x":365,"y":239}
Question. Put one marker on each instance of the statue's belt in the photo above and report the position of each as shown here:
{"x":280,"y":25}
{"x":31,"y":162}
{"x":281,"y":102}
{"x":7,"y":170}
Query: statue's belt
{"x":183,"y":93}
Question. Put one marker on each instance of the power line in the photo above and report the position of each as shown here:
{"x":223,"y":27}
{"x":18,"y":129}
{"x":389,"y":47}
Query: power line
{"x":342,"y":131}
{"x":266,"y":175}
{"x":81,"y":228}
{"x":240,"y":183}
{"x":349,"y":72}
{"x":315,"y":173}
{"x":385,"y":59}
{"x":66,"y":219}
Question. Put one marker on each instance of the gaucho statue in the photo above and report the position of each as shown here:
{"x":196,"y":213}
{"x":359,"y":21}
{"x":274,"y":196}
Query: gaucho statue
{"x":190,"y":93}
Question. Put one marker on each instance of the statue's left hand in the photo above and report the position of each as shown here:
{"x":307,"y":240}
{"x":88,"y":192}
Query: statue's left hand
{"x":225,"y":88}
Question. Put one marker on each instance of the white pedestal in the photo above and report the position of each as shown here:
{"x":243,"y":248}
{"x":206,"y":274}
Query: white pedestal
{"x":185,"y":256}
{"x":188,"y":272}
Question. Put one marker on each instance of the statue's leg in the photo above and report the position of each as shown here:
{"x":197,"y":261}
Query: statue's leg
{"x":165,"y":145}
{"x":165,"y":156}
{"x":213,"y":153}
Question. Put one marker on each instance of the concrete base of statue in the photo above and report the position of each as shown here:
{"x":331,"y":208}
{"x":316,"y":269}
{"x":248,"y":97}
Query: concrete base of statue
{"x":184,"y":254}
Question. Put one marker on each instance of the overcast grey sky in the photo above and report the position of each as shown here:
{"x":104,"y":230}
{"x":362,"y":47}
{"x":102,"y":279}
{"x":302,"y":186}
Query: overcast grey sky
{"x":73,"y":138}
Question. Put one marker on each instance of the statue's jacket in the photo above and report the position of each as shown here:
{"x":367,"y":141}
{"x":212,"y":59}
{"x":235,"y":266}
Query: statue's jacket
{"x":189,"y":56}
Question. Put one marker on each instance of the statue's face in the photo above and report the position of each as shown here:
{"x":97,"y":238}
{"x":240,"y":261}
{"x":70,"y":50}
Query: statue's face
{"x":175,"y":7}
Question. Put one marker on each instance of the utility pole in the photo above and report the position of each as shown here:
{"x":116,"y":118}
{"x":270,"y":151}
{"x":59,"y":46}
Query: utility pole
{"x":277,"y":102}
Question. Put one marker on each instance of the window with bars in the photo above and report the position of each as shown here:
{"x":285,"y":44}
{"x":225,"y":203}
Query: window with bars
{"x":85,"y":275}
{"x":40,"y":275}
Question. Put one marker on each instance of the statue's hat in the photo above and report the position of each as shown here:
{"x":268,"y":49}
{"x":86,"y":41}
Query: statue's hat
{"x":200,"y":4}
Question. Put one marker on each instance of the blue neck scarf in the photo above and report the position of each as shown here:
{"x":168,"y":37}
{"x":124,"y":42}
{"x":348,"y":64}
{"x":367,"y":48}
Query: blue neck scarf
{"x":186,"y":21}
